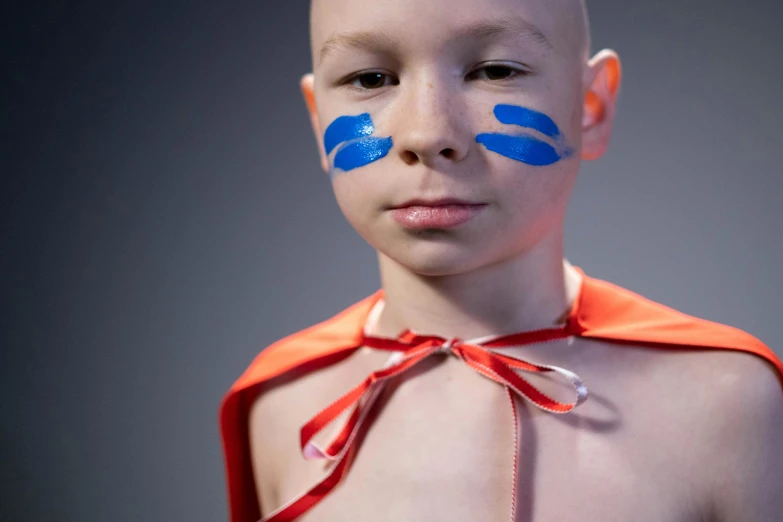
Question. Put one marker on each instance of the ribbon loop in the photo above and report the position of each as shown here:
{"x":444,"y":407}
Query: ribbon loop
{"x":410,"y":349}
{"x":501,"y":369}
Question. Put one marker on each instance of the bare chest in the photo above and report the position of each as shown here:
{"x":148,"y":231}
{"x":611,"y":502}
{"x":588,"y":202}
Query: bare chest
{"x":445,"y":444}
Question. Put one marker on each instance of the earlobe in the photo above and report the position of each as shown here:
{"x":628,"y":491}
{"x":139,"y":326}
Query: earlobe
{"x":603,"y":75}
{"x":307,"y":86}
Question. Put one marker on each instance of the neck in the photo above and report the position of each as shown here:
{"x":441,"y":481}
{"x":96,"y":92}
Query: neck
{"x":528,"y":292}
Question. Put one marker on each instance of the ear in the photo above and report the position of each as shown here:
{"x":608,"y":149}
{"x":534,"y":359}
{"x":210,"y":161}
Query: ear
{"x":602,"y":78}
{"x":307,"y":85}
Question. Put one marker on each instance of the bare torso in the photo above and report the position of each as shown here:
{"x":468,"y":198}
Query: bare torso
{"x":441,"y":448}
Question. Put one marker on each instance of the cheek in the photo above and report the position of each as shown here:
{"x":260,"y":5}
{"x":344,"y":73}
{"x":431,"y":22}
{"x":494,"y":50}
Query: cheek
{"x":528,"y":194}
{"x":351,"y":142}
{"x":574,"y":123}
{"x":358,"y":193}
{"x":526,"y":136}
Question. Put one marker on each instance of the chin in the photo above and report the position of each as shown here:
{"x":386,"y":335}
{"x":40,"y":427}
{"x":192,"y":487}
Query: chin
{"x":435,"y":259}
{"x":434,"y":268}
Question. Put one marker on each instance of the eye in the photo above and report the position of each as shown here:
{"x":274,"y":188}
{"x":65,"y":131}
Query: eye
{"x":371,"y":80}
{"x":495,"y":72}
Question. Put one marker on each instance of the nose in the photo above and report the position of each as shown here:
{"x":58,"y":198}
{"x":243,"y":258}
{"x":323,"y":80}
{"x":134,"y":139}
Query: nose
{"x":429,"y":128}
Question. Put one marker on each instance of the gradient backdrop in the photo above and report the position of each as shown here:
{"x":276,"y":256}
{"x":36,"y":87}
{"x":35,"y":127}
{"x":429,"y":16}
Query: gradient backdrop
{"x":164,"y":217}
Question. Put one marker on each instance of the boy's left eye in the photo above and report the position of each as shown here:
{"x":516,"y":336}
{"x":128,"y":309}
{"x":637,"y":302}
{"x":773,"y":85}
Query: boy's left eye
{"x":495,"y":73}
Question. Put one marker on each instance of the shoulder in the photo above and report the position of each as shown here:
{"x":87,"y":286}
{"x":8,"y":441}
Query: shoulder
{"x":711,"y":394}
{"x":242,"y":416}
{"x":719,"y":415}
{"x":277,"y":407}
{"x":747,"y":381}
{"x":297,"y":372}
{"x":717,"y":363}
{"x":743,"y":394}
{"x":300,"y":364}
{"x":729,"y":391}
{"x":335,"y":336}
{"x":289,"y":400}
{"x":741,"y":426}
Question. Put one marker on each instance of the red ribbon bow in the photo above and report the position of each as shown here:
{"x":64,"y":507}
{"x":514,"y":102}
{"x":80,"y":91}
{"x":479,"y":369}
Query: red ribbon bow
{"x":410,"y":349}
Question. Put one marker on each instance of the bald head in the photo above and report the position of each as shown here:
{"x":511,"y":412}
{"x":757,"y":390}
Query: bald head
{"x":584,"y":22}
{"x":582,"y":25}
{"x":564,"y":22}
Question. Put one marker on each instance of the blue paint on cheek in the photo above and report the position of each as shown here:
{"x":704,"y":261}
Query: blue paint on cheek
{"x":524,"y":117}
{"x":521,"y":148}
{"x":525,"y":148}
{"x":362,"y":152}
{"x":351,"y":136}
{"x":346,"y":128}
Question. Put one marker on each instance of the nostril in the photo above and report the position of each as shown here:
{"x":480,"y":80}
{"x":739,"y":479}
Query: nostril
{"x":409,"y":157}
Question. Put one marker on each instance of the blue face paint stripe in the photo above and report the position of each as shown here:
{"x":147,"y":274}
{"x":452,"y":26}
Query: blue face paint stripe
{"x":526,"y":149}
{"x":346,"y":128}
{"x":362,"y":152}
{"x":524,"y":117}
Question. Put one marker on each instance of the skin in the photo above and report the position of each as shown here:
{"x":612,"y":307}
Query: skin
{"x":434,"y":100}
{"x":636,"y":445}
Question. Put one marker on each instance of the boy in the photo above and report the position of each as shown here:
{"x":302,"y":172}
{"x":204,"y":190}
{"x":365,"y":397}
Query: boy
{"x":453,"y":131}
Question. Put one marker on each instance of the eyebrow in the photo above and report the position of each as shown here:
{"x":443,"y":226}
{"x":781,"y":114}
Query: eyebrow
{"x":377,"y":41}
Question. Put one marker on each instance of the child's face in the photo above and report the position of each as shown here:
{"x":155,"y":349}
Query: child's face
{"x":480,"y":100}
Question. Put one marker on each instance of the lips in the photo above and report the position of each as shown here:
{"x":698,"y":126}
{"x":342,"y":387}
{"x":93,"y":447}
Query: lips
{"x":440,"y":202}
{"x":442,"y":213}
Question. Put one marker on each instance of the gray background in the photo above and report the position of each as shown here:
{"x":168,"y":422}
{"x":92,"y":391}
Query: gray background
{"x":164,"y":218}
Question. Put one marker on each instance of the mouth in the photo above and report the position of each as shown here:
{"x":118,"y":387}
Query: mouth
{"x":442,"y":213}
{"x":440,"y":202}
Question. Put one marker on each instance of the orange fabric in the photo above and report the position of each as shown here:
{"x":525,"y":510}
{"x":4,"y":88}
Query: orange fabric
{"x":602,"y":311}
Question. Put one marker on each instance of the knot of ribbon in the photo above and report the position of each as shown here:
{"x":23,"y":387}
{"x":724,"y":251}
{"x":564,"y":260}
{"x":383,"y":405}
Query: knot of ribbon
{"x":409,"y":349}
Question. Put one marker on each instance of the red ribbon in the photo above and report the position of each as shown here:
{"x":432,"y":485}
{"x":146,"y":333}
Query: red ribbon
{"x":410,"y":349}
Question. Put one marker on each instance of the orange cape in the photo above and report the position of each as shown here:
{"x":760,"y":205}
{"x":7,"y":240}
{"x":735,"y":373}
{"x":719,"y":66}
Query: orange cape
{"x":602,"y":311}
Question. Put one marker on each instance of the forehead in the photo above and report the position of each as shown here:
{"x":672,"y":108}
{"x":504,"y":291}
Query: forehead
{"x":416,"y":23}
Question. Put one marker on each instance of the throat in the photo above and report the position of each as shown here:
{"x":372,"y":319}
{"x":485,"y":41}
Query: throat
{"x":425,"y":311}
